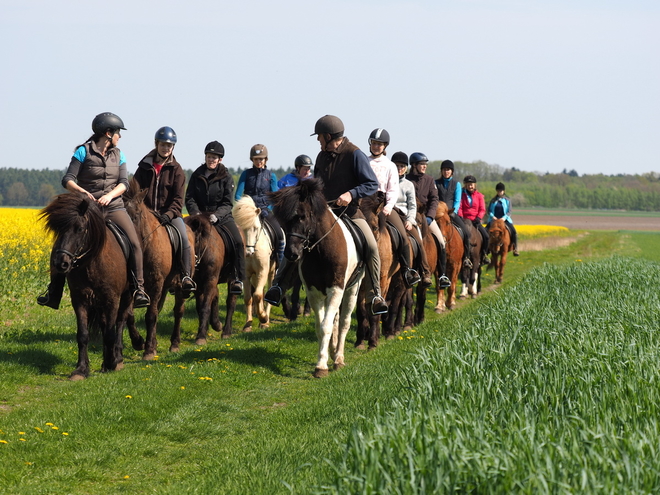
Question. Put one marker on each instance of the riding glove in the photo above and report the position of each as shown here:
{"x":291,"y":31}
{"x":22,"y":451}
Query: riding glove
{"x":429,"y":220}
{"x":164,"y":219}
{"x":213,"y":218}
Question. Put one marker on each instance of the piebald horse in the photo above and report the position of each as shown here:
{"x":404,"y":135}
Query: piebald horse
{"x":328,"y":264}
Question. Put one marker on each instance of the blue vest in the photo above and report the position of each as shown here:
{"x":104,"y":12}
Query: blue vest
{"x":257,"y":185}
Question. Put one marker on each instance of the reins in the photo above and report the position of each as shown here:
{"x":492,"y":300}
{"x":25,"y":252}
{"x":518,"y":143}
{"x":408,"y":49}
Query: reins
{"x":306,"y":245}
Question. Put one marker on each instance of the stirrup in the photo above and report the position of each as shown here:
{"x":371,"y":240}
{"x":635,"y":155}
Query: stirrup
{"x":236,"y":287}
{"x":485,"y":260}
{"x":467,"y":263}
{"x":44,"y":299}
{"x":140,"y":299}
{"x":273,"y":296}
{"x":411,"y":277}
{"x":444,"y":282}
{"x":516,"y":253}
{"x":378,"y":306}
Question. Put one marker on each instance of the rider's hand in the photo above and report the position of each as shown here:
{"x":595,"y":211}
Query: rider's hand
{"x":387,"y":211}
{"x":213,"y":218}
{"x":164,"y":219}
{"x":408,"y":225}
{"x":103,"y":200}
{"x":429,"y":220}
{"x":344,"y":199}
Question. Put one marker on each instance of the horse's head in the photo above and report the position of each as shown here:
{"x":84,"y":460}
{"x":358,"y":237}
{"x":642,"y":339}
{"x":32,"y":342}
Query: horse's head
{"x":246,"y":215}
{"x":134,"y":203}
{"x":299,"y":210}
{"x":496,"y":233}
{"x":78,"y":226}
{"x":372,"y":207}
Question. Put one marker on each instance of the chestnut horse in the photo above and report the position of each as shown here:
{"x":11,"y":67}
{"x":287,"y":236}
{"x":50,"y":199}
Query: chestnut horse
{"x":328,"y":264}
{"x":96,"y":270}
{"x":369,"y":325}
{"x":470,"y":277}
{"x":454,"y":248}
{"x":499,"y":245}
{"x":212,"y":268}
{"x":431,"y":248}
{"x":259,"y":265}
{"x":161,"y":268}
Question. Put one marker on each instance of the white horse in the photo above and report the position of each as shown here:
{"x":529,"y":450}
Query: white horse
{"x":259,"y":268}
{"x":327,"y":262}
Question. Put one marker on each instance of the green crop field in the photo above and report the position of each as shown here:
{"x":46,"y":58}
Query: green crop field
{"x":546,"y":384}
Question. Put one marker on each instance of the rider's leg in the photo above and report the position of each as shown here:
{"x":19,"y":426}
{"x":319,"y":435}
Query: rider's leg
{"x":514,"y":238}
{"x":53,"y":295}
{"x":281,"y":282}
{"x":410,"y":275}
{"x":443,"y":280}
{"x":372,"y":263}
{"x":423,"y":263}
{"x":187,"y":262}
{"x":466,"y":239}
{"x":279,"y":237}
{"x":121,"y":218}
{"x":236,"y":286}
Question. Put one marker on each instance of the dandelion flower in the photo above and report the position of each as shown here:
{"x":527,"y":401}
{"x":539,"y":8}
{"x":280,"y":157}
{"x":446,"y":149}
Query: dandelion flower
{"x":3,"y":441}
{"x":129,"y":396}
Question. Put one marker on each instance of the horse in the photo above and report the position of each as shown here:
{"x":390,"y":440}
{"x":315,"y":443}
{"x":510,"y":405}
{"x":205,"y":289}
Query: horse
{"x":161,"y":268}
{"x":369,"y":325}
{"x":89,"y":255}
{"x":212,"y":268}
{"x":259,"y":265}
{"x":471,"y":276}
{"x":431,"y":248}
{"x":455,"y":249}
{"x":328,"y":264}
{"x":498,"y":246}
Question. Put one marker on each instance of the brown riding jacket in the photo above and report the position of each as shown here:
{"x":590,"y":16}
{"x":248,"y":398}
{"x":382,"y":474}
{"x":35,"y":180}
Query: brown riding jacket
{"x":167,"y":190}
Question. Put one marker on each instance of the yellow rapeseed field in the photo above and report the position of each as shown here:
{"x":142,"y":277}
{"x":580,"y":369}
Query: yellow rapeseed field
{"x":24,"y":244}
{"x":532,"y":231}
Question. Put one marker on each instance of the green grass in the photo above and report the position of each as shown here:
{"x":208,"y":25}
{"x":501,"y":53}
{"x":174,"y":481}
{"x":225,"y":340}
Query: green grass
{"x":260,"y":424}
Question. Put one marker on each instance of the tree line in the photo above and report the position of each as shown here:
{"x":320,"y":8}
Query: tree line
{"x":21,"y":187}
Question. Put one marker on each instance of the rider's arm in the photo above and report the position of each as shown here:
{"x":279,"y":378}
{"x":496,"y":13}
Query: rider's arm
{"x":240,"y":188}
{"x":367,"y":181}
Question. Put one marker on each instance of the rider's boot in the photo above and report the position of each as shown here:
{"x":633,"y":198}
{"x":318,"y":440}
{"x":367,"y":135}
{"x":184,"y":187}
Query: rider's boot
{"x":515,"y":250}
{"x":52,"y":296}
{"x":274,"y":294}
{"x":188,"y":286}
{"x":378,"y":305}
{"x":443,"y":280}
{"x":411,"y":277}
{"x":236,"y":287}
{"x":140,"y":297}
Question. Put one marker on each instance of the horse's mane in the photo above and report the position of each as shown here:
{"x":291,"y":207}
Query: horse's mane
{"x":286,"y":201}
{"x":245,"y":213}
{"x":372,"y":206}
{"x":200,"y":225}
{"x":64,"y":212}
{"x":497,"y":225}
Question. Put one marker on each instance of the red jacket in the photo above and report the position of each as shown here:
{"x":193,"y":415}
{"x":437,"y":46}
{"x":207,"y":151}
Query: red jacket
{"x":475,"y":210}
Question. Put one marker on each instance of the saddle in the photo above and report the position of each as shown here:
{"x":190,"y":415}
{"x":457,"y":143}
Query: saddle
{"x":227,"y":238}
{"x":360,"y":246}
{"x":395,"y":235}
{"x":122,"y":238}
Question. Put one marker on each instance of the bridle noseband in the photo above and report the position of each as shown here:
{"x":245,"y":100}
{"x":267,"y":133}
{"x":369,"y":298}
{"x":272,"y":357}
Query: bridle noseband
{"x":79,"y":254}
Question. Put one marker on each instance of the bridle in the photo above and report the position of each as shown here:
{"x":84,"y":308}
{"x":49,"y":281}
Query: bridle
{"x":79,"y":254}
{"x":306,"y":239}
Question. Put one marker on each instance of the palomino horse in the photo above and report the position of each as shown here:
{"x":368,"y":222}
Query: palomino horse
{"x":327,"y":262}
{"x":212,"y":269}
{"x":454,"y":248}
{"x":499,"y":245}
{"x":470,"y":277}
{"x":259,"y":265}
{"x":369,"y":325}
{"x":95,"y":267}
{"x":161,"y":269}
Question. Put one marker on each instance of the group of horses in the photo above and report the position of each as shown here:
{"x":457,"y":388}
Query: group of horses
{"x":329,"y":266}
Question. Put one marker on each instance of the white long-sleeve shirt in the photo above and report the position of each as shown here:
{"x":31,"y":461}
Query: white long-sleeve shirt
{"x":388,"y":179}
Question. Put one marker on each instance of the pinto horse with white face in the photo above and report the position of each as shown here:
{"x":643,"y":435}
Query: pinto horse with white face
{"x":328,"y":264}
{"x":259,"y":265}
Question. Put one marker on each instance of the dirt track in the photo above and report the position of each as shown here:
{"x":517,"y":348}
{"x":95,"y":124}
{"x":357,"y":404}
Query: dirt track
{"x":596,"y":222}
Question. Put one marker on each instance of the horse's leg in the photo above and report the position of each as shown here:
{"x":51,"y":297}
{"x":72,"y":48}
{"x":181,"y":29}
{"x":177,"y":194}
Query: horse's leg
{"x":343,"y":325}
{"x":362,"y":319}
{"x":230,"y":305}
{"x":292,"y":313}
{"x":136,"y":339}
{"x":125,"y":309}
{"x":151,"y":322}
{"x":258,"y":297}
{"x":179,"y":308}
{"x":203,"y":301}
{"x":408,"y":304}
{"x":420,"y":304}
{"x":216,"y":324}
{"x":82,"y":336}
{"x":110,"y":339}
{"x":324,"y":330}
{"x":249,"y":307}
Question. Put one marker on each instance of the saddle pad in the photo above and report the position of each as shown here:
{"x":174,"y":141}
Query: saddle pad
{"x":121,"y":237}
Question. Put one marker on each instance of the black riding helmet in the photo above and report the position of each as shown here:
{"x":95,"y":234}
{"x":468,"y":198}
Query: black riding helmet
{"x":400,"y":157}
{"x":215,"y":148}
{"x":303,"y":161}
{"x":418,"y":157}
{"x":107,"y":121}
{"x":500,"y":187}
{"x":470,"y":179}
{"x":447,"y":164}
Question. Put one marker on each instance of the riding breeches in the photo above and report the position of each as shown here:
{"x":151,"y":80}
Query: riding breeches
{"x":404,"y":249}
{"x":239,"y":247}
{"x":435,"y":230}
{"x":187,"y":260}
{"x":372,"y":262}
{"x":121,"y":218}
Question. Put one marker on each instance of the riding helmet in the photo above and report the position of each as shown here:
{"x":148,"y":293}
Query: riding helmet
{"x":258,"y":151}
{"x":400,"y":157}
{"x":470,"y":179}
{"x":166,"y":135}
{"x":500,"y":187}
{"x":107,"y":121}
{"x":379,"y":135}
{"x":418,"y":157}
{"x":303,"y":161}
{"x":215,"y":148}
{"x":329,"y":124}
{"x":447,"y":164}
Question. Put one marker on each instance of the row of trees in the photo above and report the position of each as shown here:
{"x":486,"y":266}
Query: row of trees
{"x":19,"y":187}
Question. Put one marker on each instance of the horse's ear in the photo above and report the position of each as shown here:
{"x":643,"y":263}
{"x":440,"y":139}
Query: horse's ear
{"x":257,"y":211}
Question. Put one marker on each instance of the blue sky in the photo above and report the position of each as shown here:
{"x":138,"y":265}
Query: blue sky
{"x":537,"y":85}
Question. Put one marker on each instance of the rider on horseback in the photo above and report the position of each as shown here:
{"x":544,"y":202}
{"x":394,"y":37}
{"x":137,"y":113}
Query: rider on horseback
{"x":500,"y":207}
{"x":449,"y":191}
{"x":473,"y":209}
{"x":387,"y":175}
{"x":303,"y":165}
{"x":347,"y":177}
{"x":98,"y":169}
{"x":161,"y":174}
{"x":210,"y":189}
{"x":426,"y":193}
{"x":406,"y":207}
{"x":257,"y":182}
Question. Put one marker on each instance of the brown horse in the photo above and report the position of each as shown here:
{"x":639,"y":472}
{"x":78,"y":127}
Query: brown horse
{"x":161,"y":268}
{"x":431,"y":248}
{"x":212,"y":269}
{"x":498,"y":246}
{"x":470,"y":277}
{"x":454,"y":248}
{"x":369,"y":325}
{"x":328,"y":264}
{"x":96,"y":270}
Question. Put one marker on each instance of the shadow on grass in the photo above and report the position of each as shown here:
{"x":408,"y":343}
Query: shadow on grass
{"x":44,"y":362}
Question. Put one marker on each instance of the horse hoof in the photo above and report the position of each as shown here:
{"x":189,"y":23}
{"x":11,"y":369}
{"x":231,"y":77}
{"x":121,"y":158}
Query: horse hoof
{"x":200,"y":342}
{"x":264,"y":325}
{"x":174,"y":348}
{"x":338,"y":366}
{"x":119,"y":367}
{"x":439,"y":310}
{"x":226,"y":335}
{"x":319,"y":373}
{"x":360,"y":346}
{"x":76,"y":377}
{"x":139,"y":346}
{"x":390,"y":337}
{"x":149,"y":357}
{"x":407,"y":328}
{"x":248,"y":326}
{"x":307,"y":313}
{"x":372,"y":347}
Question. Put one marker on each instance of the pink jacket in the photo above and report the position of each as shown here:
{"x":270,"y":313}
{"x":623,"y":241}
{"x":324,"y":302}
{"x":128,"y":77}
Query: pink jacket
{"x":475,"y":210}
